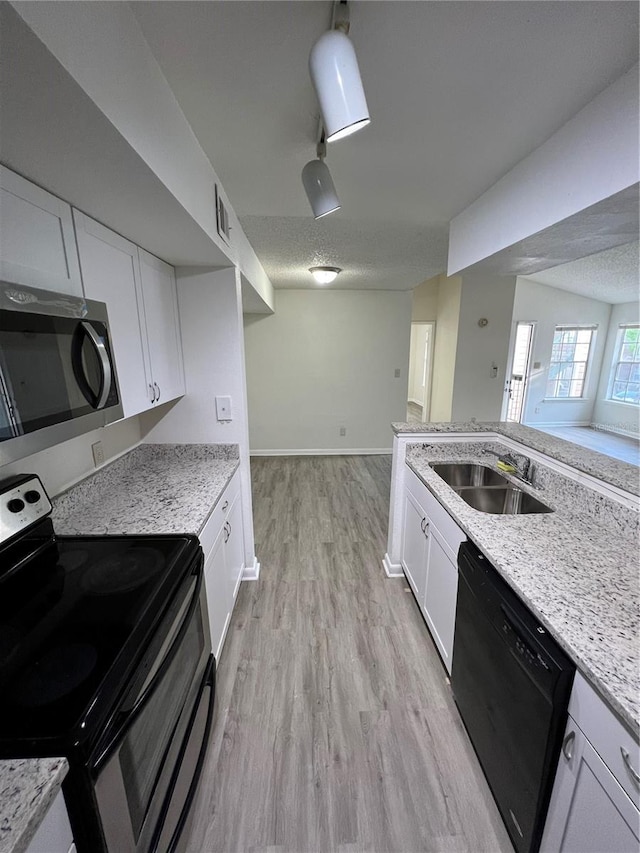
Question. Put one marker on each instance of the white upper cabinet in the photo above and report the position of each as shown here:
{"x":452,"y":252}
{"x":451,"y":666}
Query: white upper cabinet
{"x":111,"y":274}
{"x":140,"y":293}
{"x":37,"y":242}
{"x":162,"y":327}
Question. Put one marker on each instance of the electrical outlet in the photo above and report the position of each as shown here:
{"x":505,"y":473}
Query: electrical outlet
{"x":343,"y":431}
{"x":98,"y":454}
{"x":396,"y":373}
{"x":537,"y":410}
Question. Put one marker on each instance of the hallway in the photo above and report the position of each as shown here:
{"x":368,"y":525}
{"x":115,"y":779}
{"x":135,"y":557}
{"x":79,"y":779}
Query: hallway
{"x":335,"y":728}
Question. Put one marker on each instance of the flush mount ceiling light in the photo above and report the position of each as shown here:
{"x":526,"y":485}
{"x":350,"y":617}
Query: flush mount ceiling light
{"x":318,"y":185}
{"x":324,"y":275}
{"x":336,"y":78}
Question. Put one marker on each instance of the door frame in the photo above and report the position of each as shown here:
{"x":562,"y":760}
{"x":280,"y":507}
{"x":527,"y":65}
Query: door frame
{"x":426,"y":405}
{"x":509,"y":371}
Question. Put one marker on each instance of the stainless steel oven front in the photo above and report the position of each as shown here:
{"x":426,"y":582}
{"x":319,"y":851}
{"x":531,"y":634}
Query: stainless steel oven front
{"x":57,"y":372}
{"x":147,"y":765}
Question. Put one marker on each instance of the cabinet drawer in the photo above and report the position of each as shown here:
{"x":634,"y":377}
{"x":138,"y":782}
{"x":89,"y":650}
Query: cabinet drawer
{"x":607,"y":734}
{"x":437,"y":514}
{"x":217,"y":518}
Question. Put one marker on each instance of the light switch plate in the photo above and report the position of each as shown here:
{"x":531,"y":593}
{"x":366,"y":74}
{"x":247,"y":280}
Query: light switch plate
{"x":223,"y":408}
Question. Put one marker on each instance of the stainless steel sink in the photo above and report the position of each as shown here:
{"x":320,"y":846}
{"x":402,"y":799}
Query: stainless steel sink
{"x":457,"y":474}
{"x":506,"y":500}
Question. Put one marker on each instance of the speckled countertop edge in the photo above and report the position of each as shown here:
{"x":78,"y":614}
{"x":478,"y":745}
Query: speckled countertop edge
{"x":27,"y":789}
{"x":572,"y":585}
{"x":614,"y":471}
{"x":156,"y":488}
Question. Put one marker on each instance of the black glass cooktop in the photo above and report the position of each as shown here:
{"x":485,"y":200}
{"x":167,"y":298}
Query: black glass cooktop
{"x":70,"y":618}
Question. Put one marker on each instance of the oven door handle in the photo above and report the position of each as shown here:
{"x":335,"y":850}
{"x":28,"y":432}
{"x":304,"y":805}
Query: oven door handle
{"x":127,"y":718}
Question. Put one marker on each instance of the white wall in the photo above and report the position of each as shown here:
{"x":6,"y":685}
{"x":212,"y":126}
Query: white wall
{"x":548,"y":307}
{"x":65,"y":464}
{"x":326,"y":360}
{"x":592,"y":157}
{"x":445,"y":345}
{"x":616,"y":417}
{"x":210,"y":306}
{"x":102,"y":47}
{"x":477,"y":393}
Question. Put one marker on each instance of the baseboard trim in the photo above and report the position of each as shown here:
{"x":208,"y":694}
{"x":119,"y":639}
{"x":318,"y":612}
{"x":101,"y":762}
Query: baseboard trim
{"x":625,"y":433}
{"x":553,"y":424}
{"x":347,"y":451}
{"x":392,"y":570}
{"x":251,"y":573}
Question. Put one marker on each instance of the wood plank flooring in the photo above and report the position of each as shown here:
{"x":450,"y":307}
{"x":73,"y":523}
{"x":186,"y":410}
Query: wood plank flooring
{"x":335,"y":728}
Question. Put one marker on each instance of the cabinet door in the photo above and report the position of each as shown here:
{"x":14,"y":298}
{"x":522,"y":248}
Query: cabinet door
{"x":234,"y":550}
{"x":217,"y":597}
{"x":54,"y":833}
{"x":414,"y":546}
{"x":589,"y":811}
{"x":37,"y":242}
{"x":162,"y":325}
{"x":111,"y":274}
{"x":440,"y":594}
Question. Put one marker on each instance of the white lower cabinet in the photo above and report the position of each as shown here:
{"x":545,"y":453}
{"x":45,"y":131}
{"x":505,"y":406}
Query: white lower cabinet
{"x":222,"y":544}
{"x":54,"y":833}
{"x":590,"y":810}
{"x":430,"y":542}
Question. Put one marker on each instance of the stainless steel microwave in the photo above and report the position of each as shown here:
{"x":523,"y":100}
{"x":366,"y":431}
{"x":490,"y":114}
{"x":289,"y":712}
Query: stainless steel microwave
{"x":57,"y":372}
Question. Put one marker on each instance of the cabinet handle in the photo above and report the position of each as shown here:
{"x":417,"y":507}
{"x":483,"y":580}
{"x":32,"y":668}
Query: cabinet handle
{"x":627,"y":761}
{"x":567,"y":745}
{"x":225,"y":506}
{"x":422,"y":524}
{"x":153,"y":393}
{"x":157,"y":387}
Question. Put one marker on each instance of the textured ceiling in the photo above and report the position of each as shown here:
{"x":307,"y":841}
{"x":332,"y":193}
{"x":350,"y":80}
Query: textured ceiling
{"x":459,"y":92}
{"x":611,"y":276}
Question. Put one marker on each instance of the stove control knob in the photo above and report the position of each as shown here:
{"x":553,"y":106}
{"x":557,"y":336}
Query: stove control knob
{"x":32,"y":497}
{"x":15,"y":505}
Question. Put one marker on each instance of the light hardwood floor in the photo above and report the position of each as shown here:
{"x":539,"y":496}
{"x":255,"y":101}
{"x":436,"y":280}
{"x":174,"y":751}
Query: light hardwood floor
{"x":335,"y":728}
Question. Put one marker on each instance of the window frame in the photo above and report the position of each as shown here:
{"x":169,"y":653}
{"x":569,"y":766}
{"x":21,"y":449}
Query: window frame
{"x":568,"y":327}
{"x":615,"y":361}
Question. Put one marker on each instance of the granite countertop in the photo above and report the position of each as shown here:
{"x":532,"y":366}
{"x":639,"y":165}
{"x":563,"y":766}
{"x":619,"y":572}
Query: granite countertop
{"x":621,"y":474}
{"x":156,"y":488}
{"x":27,"y":789}
{"x":576,"y":568}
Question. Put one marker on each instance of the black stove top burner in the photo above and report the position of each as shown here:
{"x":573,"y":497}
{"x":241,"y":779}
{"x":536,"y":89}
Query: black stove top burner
{"x":56,"y":674}
{"x":122,"y":572}
{"x":73,"y":621}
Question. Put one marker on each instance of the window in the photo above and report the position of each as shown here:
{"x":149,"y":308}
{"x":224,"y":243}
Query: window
{"x":569,"y":360}
{"x":624,"y":386}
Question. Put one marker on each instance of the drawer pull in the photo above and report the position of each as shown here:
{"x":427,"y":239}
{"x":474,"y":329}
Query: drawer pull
{"x":567,"y":745}
{"x":627,"y":761}
{"x":225,"y":506}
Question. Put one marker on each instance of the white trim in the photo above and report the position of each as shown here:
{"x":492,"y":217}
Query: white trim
{"x":628,"y":433}
{"x":391,"y":570}
{"x":251,"y":573}
{"x":415,"y":402}
{"x":347,"y":451}
{"x":543,"y":424}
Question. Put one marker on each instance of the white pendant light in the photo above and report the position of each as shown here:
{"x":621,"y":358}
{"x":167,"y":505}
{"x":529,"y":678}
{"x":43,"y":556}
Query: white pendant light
{"x":324,"y":275}
{"x":319,"y":187}
{"x":336,"y":77}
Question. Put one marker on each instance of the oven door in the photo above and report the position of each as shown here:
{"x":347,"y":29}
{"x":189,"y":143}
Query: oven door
{"x":57,"y":374}
{"x":150,"y":745}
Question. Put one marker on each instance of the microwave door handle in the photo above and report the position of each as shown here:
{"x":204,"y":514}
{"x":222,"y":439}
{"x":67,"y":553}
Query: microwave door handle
{"x":105,"y":363}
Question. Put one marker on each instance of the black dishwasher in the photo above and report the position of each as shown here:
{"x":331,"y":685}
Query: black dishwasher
{"x":511,"y":682}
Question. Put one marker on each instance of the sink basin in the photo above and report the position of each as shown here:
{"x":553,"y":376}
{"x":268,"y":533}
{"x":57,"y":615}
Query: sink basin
{"x":458,"y":474}
{"x":506,"y":500}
